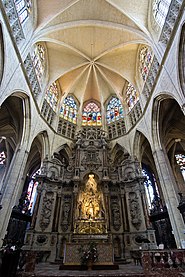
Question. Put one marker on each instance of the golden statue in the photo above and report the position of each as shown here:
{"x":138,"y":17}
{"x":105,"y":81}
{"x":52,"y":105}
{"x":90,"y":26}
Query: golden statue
{"x":90,"y":208}
{"x":91,"y":184}
{"x":90,"y":204}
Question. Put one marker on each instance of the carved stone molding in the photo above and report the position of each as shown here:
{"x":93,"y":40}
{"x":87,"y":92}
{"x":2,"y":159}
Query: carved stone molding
{"x":66,"y":211}
{"x":115,"y":210}
{"x":46,"y":211}
{"x":135,"y":211}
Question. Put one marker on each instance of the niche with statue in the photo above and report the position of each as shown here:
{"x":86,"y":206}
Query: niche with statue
{"x":90,"y":216}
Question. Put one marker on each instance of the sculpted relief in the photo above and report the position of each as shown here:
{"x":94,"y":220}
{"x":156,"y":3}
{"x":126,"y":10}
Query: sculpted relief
{"x":46,"y":210}
{"x":116,"y":217}
{"x":135,"y":211}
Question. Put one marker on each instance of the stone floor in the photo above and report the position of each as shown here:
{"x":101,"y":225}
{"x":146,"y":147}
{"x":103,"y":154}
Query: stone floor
{"x":52,"y":270}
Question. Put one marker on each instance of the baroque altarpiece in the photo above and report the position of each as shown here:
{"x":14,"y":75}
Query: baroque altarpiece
{"x":96,"y":192}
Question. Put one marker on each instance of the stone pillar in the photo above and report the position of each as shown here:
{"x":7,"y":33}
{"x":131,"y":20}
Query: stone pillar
{"x":107,"y":203}
{"x":124,"y":210}
{"x":12,"y":187}
{"x":74,"y":204}
{"x":168,"y":186}
{"x":57,"y":212}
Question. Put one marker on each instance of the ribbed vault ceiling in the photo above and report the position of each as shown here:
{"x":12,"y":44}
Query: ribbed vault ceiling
{"x":92,"y":45}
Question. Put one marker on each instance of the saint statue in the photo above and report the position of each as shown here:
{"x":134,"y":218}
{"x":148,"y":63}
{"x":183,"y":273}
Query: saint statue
{"x":91,"y":184}
{"x":90,"y":207}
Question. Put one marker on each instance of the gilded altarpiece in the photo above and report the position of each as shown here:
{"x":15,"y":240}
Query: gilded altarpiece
{"x":89,"y":191}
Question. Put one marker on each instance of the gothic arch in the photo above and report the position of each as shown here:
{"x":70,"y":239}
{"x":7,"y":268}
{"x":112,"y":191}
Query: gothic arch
{"x":26,"y":192}
{"x":156,"y":119}
{"x":35,"y":157}
{"x":64,"y":151}
{"x":136,"y":150}
{"x":181,"y":59}
{"x":14,"y":125}
{"x":165,"y":110}
{"x":143,"y":151}
{"x":168,"y":132}
{"x":26,"y":115}
{"x":38,"y":151}
{"x":119,"y":154}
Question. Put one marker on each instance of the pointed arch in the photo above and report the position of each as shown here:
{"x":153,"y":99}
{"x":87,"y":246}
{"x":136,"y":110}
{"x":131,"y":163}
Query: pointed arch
{"x":14,"y":125}
{"x":169,"y":135}
{"x":156,"y":118}
{"x":119,"y":154}
{"x":63,"y":153}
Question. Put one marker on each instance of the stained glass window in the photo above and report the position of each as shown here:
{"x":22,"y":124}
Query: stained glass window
{"x":68,"y":109}
{"x":180,"y":158}
{"x":28,"y":197}
{"x":91,"y":115}
{"x":114,"y":110}
{"x":2,"y":158}
{"x":145,"y":60}
{"x":23,"y":9}
{"x":39,"y":60}
{"x":151,"y":190}
{"x":160,"y":10}
{"x":132,"y":96}
{"x":52,"y":95}
{"x":32,"y":192}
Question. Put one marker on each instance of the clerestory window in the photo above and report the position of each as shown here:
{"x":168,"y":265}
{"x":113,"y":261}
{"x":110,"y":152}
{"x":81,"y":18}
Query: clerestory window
{"x":160,"y":10}
{"x":114,"y":110}
{"x":23,"y":8}
{"x":145,"y":60}
{"x":68,"y":110}
{"x":52,"y":95}
{"x":91,"y":115}
{"x":180,"y":159}
{"x":132,"y":96}
{"x":39,"y":60}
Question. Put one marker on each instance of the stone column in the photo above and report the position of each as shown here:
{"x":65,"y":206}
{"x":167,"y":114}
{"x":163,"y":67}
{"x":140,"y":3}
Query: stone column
{"x":57,"y":211}
{"x":12,"y":187}
{"x":124,"y":209}
{"x":107,"y":203}
{"x":74,"y":203}
{"x":168,"y":186}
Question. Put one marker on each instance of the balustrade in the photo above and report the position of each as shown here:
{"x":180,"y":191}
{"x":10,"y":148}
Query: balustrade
{"x":163,"y":262}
